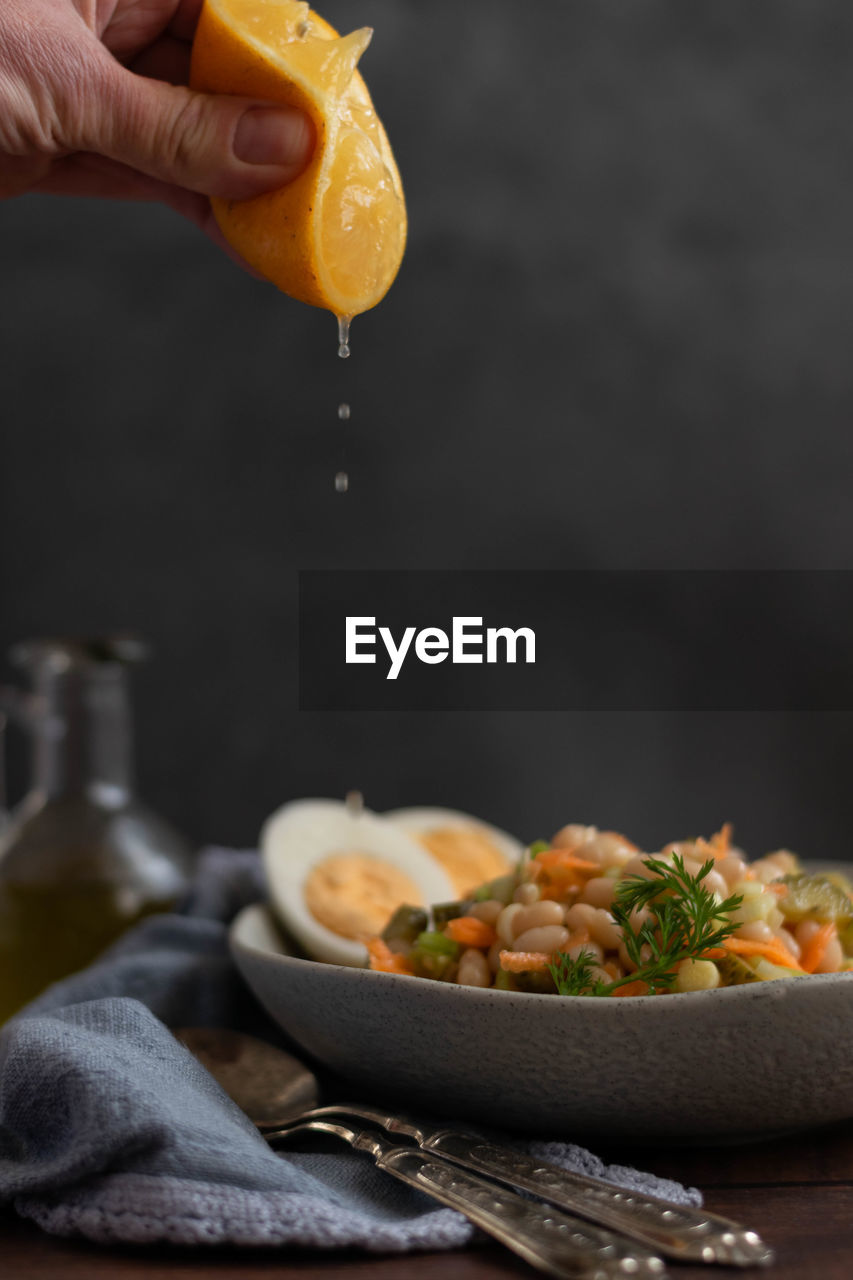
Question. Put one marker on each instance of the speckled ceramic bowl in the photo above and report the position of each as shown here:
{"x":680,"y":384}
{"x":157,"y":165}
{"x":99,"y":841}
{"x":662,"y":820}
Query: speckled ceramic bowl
{"x":737,"y":1063}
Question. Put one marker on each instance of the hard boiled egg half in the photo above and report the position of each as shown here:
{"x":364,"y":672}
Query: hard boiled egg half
{"x":469,"y":850}
{"x":337,"y":872}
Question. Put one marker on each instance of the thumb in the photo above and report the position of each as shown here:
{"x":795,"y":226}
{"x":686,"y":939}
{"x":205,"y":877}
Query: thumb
{"x":218,"y":145}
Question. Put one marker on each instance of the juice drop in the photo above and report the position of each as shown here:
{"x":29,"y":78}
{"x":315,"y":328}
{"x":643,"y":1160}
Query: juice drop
{"x":343,"y":336}
{"x":341,"y":482}
{"x":343,"y":412}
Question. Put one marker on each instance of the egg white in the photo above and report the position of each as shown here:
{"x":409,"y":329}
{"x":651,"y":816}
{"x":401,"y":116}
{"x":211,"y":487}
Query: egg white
{"x":303,"y":833}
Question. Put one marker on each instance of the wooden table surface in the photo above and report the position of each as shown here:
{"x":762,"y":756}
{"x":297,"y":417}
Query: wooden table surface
{"x":797,"y":1192}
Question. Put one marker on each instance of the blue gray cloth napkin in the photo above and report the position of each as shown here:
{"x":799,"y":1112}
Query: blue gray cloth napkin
{"x":110,"y":1129}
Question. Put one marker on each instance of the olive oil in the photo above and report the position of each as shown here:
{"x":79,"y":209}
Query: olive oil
{"x":81,"y":859}
{"x":49,"y":931}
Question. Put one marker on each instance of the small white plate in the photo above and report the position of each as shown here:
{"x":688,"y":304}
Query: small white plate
{"x":738,"y":1063}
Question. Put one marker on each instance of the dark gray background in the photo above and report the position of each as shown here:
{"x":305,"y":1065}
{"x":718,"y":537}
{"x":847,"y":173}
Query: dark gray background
{"x":621,"y":338}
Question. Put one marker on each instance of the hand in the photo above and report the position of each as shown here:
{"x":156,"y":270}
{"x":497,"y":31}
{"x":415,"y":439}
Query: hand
{"x":93,"y":102}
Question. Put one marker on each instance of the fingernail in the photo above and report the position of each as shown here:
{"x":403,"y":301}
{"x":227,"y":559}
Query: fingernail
{"x":273,"y":135}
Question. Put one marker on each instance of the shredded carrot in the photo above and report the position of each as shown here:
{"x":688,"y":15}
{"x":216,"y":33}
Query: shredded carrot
{"x":781,"y":890}
{"x":719,"y":845}
{"x":775,"y":951}
{"x":576,"y":939}
{"x":815,"y":948}
{"x":524,"y":961}
{"x":722,"y":841}
{"x":560,"y":859}
{"x":559,"y":890}
{"x":384,"y":960}
{"x":716,"y":953}
{"x":468,"y":931}
{"x":632,"y":989}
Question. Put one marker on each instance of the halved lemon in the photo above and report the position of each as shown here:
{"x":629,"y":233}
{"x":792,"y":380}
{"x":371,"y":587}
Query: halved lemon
{"x":335,"y":236}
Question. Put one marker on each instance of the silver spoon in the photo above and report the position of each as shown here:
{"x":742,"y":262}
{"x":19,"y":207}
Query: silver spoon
{"x":267,"y":1084}
{"x":276,"y":1090}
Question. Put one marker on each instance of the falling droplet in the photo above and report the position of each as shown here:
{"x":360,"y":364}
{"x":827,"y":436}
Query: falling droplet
{"x":341,"y":482}
{"x":355,"y":803}
{"x":343,"y":336}
{"x":343,"y":412}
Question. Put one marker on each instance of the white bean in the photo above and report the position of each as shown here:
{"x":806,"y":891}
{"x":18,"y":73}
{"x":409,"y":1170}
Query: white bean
{"x":832,"y":958}
{"x":547,"y":938}
{"x":487,"y":911}
{"x":625,"y":960}
{"x":591,"y":949}
{"x":526,"y":893}
{"x":503,"y":925}
{"x":716,"y":884}
{"x":604,"y":930}
{"x":755,"y":931}
{"x":580,"y":916}
{"x":474,"y":969}
{"x":639,"y":867}
{"x":731,"y":868}
{"x":598,"y":891}
{"x":573,"y":835}
{"x":541,"y":913}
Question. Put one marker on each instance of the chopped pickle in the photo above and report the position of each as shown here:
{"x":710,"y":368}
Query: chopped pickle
{"x":734,"y":971}
{"x":404,"y":926}
{"x":536,"y":983}
{"x":839,"y":878}
{"x":816,"y":897}
{"x":445,"y":911}
{"x":499,"y":890}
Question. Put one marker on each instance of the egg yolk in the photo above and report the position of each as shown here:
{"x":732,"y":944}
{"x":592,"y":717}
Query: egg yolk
{"x":354,"y":894}
{"x":466,"y":854}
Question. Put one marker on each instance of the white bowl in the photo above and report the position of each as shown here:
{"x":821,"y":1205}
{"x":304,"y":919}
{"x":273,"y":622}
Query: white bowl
{"x":739,"y":1063}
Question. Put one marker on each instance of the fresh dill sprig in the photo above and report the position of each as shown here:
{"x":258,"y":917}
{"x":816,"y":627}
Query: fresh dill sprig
{"x":686,"y":921}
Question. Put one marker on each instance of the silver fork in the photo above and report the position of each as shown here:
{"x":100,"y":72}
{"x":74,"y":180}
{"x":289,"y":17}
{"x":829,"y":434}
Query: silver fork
{"x":674,"y":1230}
{"x":554,"y":1242}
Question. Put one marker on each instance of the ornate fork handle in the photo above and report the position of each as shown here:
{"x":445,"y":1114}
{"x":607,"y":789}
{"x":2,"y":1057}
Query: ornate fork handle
{"x":678,"y":1231}
{"x":558,"y":1244}
{"x":673,"y":1230}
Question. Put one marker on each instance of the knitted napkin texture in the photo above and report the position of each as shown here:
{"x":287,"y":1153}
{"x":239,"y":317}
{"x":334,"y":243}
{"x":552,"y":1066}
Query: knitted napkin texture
{"x":111,"y":1130}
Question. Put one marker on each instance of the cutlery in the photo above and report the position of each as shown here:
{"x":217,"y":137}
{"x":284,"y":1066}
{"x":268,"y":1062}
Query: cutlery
{"x":278,"y":1092}
{"x":251,"y":1071}
{"x":554,"y":1242}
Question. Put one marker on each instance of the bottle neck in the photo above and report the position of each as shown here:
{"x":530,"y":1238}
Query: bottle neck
{"x":83,"y":736}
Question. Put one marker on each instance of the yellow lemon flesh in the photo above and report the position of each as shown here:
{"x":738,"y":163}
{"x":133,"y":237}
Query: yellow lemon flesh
{"x":335,"y":236}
